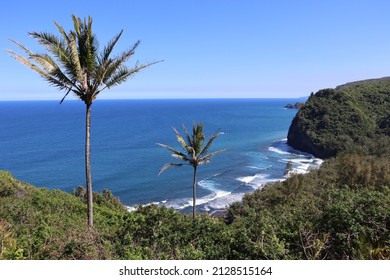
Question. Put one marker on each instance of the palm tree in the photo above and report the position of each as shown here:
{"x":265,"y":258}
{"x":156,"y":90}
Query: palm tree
{"x":194,"y":152}
{"x":74,"y":64}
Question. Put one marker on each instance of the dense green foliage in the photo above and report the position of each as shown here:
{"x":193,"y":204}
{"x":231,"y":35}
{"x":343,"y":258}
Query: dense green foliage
{"x":332,"y":120}
{"x":341,"y":211}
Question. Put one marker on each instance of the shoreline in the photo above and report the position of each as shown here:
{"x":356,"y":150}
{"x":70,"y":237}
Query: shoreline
{"x":303,"y":163}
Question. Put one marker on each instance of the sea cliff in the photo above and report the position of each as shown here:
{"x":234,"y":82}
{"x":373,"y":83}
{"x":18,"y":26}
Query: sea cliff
{"x":334,"y":120}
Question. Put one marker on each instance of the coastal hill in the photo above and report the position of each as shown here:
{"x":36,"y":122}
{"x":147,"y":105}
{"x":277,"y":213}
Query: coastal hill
{"x":332,"y":120}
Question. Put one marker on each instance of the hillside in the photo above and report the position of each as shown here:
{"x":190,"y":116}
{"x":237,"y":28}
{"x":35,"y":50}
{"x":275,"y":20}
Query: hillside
{"x":37,"y":223}
{"x":333,"y":120}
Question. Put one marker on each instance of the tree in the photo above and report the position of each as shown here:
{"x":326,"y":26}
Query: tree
{"x":74,"y":64}
{"x":195,"y":154}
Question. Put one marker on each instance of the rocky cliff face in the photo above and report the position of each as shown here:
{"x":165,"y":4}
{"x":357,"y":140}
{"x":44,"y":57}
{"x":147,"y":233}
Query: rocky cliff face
{"x":298,"y":139}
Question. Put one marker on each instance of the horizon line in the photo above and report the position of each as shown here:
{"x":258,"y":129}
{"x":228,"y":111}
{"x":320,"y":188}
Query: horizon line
{"x":168,"y":98}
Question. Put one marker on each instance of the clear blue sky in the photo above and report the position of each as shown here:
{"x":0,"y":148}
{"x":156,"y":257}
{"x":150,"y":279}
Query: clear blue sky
{"x":219,"y":48}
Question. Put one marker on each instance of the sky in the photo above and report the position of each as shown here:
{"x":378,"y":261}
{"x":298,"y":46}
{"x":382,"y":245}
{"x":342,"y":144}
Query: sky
{"x":212,"y":49}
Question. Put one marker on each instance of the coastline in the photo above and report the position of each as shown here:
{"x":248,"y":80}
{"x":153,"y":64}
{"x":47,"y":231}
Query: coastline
{"x":216,"y":205}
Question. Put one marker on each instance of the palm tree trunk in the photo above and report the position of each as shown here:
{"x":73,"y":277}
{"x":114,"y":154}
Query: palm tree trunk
{"x":194,"y":195}
{"x":88,"y":165}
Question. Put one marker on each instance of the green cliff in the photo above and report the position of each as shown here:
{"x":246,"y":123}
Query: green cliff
{"x":334,"y":120}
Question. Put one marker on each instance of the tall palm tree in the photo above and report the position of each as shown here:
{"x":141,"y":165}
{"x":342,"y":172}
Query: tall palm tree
{"x":74,"y":64}
{"x":194,"y":152}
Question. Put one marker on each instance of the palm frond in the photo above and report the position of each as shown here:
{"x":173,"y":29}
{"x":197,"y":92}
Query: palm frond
{"x":74,"y":57}
{"x":45,"y":61}
{"x":173,"y":150}
{"x":166,"y":166}
{"x":62,"y":32}
{"x":209,"y":143}
{"x":181,"y":156}
{"x":109,"y":48}
{"x":181,"y":140}
{"x":189,"y":140}
{"x":47,"y":76}
{"x":27,"y":63}
{"x":119,"y":76}
{"x":197,"y":137}
{"x":207,"y":158}
{"x":77,"y":24}
{"x":88,"y":47}
{"x":54,"y":45}
{"x":84,"y":60}
{"x":66,"y":94}
{"x":52,"y":69}
{"x":123,"y":73}
{"x":116,"y":63}
{"x":21,"y":46}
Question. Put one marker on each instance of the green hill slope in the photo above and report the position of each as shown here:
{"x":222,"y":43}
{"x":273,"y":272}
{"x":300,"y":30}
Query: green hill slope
{"x":37,"y":223}
{"x":334,"y":120}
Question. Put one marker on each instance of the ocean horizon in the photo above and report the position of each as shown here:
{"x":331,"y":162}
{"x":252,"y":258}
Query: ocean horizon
{"x":42,"y":143}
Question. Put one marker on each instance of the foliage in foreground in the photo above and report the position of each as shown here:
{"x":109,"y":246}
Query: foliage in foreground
{"x":326,"y":214}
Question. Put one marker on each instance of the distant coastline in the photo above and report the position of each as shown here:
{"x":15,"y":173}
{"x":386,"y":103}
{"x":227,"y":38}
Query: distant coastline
{"x":296,"y":106}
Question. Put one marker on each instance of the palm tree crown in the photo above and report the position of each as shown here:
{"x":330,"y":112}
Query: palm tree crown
{"x":73,"y":62}
{"x":195,"y":153}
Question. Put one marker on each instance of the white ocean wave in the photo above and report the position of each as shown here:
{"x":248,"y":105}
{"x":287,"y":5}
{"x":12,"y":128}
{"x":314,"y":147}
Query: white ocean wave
{"x":222,"y":202}
{"x":259,"y":168}
{"x":209,"y":185}
{"x":131,"y":208}
{"x":301,"y":162}
{"x":209,"y":198}
{"x":135,"y":207}
{"x":183,"y":203}
{"x":278,"y":151}
{"x":180,"y":204}
{"x":247,"y":179}
{"x":257,"y":181}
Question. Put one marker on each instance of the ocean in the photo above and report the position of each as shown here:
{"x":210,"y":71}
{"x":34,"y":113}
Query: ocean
{"x":42,"y":143}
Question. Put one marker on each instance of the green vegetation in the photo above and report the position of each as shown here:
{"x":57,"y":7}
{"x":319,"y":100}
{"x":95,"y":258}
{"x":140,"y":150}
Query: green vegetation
{"x":74,"y":64}
{"x":325,"y":214}
{"x":340,"y":211}
{"x":333,"y":120}
{"x":195,"y":155}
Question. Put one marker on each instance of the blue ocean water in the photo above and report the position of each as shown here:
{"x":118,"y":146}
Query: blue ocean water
{"x":42,"y":142}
